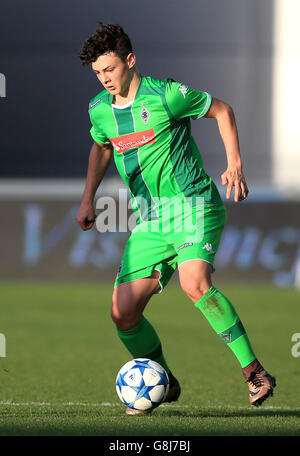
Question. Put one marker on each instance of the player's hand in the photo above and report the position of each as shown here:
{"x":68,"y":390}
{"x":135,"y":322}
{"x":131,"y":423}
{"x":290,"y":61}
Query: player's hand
{"x":233,"y":177}
{"x":86,"y":216}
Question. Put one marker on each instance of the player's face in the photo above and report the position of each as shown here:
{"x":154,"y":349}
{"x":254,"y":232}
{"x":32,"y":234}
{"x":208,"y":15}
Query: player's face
{"x":114,"y":73}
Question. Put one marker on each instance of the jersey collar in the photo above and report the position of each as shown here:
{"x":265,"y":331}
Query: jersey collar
{"x":111,"y":97}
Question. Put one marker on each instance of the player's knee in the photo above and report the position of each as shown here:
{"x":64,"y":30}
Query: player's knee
{"x":123,"y":318}
{"x":116,"y":314}
{"x":195,"y":290}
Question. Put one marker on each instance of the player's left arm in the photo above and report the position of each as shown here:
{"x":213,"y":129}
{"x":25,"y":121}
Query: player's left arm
{"x":233,"y":176}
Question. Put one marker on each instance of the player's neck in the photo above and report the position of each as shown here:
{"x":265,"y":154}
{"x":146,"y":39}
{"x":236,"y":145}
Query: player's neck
{"x":129,"y":94}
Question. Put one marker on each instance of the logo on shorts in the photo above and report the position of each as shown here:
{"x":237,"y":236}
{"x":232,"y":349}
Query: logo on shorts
{"x":184,"y":245}
{"x":120,"y":269}
{"x":208,"y":247}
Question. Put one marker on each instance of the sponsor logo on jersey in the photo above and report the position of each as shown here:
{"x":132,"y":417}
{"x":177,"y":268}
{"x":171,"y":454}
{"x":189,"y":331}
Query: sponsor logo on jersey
{"x":145,"y":114}
{"x":184,"y":245}
{"x":133,"y":140}
{"x":183,"y":89}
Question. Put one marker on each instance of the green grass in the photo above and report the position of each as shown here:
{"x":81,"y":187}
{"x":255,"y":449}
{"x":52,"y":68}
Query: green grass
{"x":63,"y":355}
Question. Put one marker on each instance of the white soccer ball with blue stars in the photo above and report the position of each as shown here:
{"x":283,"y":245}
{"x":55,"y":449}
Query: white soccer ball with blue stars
{"x":142,"y":384}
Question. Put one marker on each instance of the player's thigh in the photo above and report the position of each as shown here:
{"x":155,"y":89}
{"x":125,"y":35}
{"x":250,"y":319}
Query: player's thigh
{"x":130,"y":299}
{"x":196,"y":258}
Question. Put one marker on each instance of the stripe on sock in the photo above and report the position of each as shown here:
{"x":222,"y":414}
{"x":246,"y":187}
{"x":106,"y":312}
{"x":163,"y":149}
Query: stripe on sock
{"x":233,"y":333}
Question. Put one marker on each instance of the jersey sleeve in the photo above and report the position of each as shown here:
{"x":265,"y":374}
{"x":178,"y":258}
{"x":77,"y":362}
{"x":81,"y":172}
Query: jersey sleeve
{"x":186,"y":102}
{"x":96,"y":133}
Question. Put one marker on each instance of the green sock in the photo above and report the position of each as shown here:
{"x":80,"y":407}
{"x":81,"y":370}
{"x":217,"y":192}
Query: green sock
{"x":222,"y":316}
{"x":142,"y":341}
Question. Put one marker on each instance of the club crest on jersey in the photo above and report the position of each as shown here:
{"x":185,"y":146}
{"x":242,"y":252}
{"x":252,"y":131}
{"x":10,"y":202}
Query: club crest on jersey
{"x":145,"y":114}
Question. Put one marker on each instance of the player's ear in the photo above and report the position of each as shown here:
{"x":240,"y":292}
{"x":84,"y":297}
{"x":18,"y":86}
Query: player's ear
{"x":131,"y":59}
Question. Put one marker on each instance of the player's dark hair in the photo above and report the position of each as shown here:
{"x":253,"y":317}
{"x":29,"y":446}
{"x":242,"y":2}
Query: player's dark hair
{"x":107,"y":38}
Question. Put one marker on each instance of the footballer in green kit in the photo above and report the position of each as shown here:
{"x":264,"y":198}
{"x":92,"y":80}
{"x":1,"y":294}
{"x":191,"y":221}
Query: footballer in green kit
{"x":145,"y":125}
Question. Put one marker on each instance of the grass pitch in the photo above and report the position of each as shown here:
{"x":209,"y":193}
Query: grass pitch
{"x":63,"y":354}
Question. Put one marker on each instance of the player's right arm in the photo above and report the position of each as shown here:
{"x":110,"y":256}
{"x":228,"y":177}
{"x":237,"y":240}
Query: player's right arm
{"x":99,"y":159}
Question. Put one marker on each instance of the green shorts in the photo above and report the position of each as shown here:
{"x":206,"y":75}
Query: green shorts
{"x":163,"y":248}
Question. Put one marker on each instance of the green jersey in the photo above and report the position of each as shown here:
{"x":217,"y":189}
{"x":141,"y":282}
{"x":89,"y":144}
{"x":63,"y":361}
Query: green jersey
{"x":154,"y":150}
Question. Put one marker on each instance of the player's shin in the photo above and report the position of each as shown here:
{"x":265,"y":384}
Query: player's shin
{"x":142,"y":341}
{"x":222,"y":316}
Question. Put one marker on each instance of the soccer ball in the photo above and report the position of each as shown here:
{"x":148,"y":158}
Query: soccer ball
{"x":142,"y":384}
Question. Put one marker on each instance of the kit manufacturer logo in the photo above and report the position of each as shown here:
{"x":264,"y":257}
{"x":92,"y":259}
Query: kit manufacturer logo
{"x":183,"y":89}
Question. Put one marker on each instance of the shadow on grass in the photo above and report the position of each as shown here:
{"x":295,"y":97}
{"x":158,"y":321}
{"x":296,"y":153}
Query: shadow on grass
{"x":56,"y":414}
{"x":164,"y":421}
{"x":202,"y":413}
